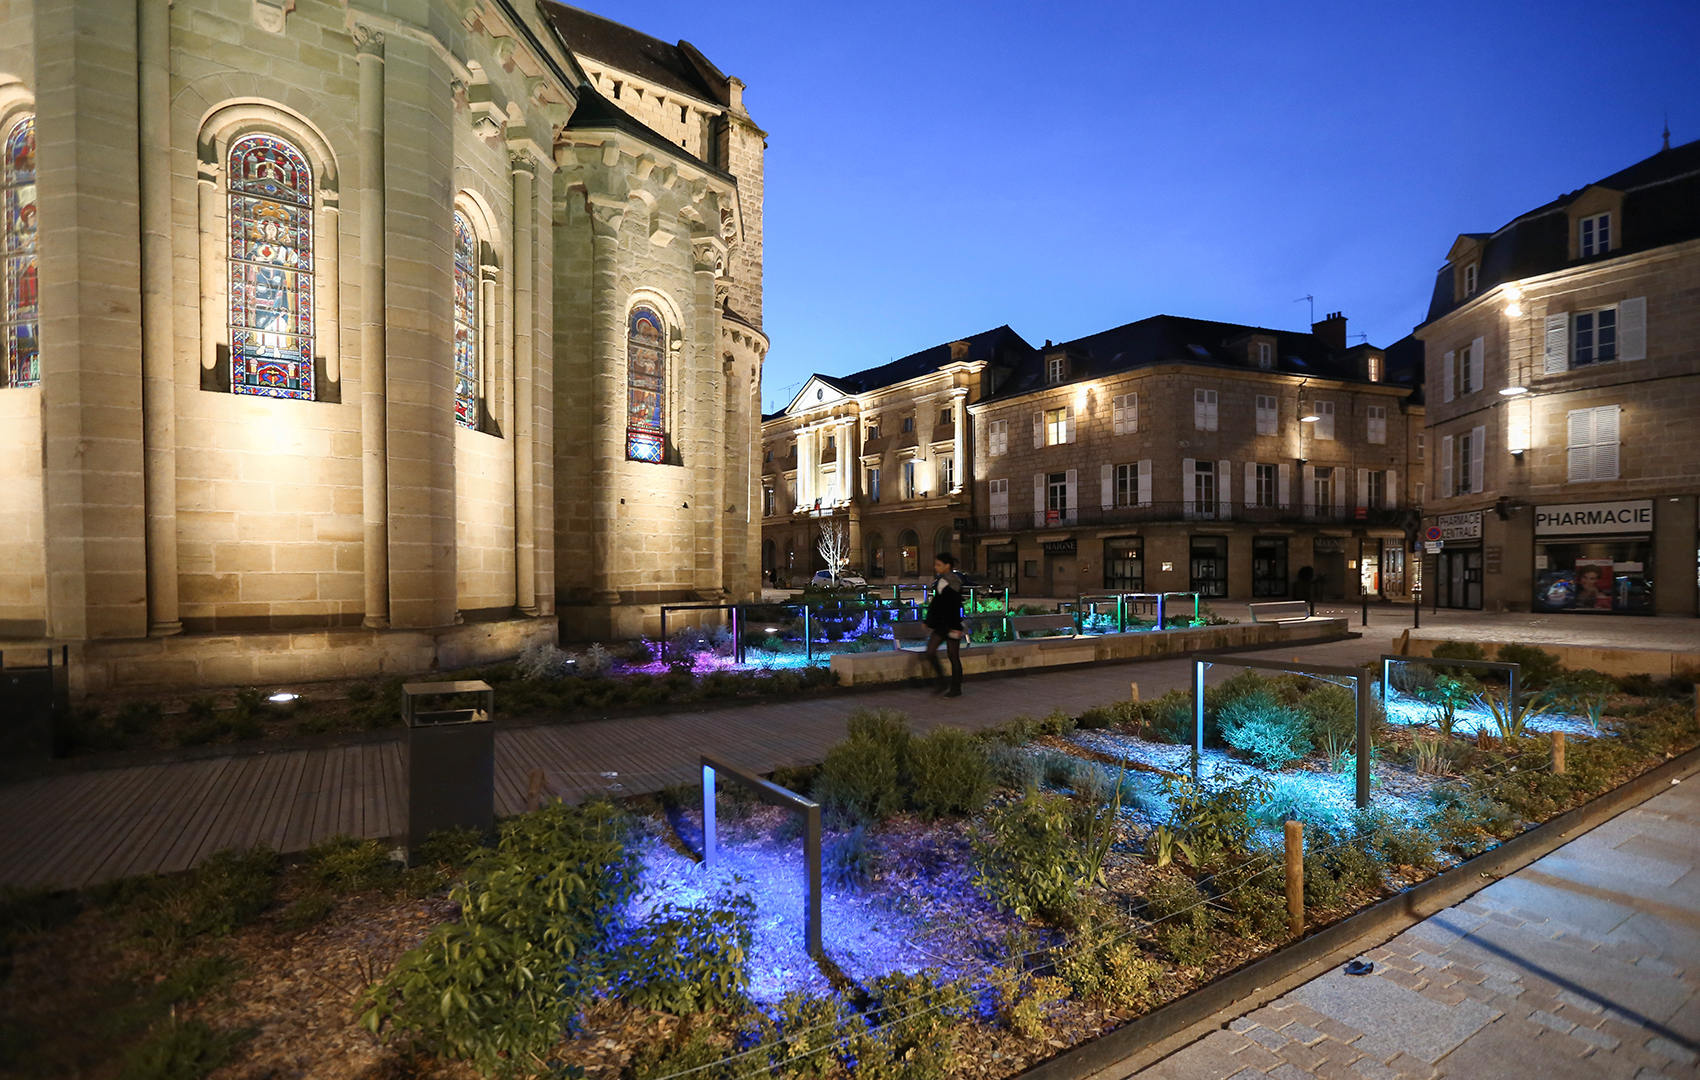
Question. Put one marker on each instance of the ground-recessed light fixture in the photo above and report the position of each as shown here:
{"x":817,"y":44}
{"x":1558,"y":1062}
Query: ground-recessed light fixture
{"x":283,"y":697}
{"x":1513,"y":391}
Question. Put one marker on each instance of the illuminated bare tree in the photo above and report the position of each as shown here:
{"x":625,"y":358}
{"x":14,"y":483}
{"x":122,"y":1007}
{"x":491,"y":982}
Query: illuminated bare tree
{"x":834,"y":547}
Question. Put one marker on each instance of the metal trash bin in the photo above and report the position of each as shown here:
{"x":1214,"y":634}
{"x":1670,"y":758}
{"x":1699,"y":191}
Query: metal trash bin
{"x":451,"y":761}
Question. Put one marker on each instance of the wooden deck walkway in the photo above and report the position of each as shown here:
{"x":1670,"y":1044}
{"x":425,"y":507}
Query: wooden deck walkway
{"x":83,"y":828}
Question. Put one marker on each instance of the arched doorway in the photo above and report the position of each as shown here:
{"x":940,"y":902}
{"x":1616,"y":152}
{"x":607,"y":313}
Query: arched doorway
{"x":873,"y":545}
{"x":942,"y":542}
{"x":909,"y":550}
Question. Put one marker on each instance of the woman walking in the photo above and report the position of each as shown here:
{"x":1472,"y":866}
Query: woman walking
{"x":944,"y":619}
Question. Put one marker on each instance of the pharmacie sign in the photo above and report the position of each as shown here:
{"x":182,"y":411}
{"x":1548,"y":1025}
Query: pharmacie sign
{"x":1460,"y":526}
{"x":1595,"y":519}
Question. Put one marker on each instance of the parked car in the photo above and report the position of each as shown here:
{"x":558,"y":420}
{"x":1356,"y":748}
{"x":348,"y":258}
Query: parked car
{"x":846,"y":580}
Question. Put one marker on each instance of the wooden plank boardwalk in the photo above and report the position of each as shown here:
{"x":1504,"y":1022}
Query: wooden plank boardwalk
{"x":83,"y":828}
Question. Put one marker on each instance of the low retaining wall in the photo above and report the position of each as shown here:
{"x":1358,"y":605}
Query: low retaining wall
{"x":1659,"y":663}
{"x":862,"y":669}
{"x":279,"y":658}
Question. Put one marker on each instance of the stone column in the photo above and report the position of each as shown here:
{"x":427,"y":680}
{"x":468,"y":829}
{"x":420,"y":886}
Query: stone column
{"x":708,"y":417}
{"x":847,"y":461}
{"x":959,"y":423}
{"x":524,"y":171}
{"x":374,"y":405}
{"x":93,"y":458}
{"x":159,"y":384}
{"x":806,"y":468}
{"x":608,"y":427}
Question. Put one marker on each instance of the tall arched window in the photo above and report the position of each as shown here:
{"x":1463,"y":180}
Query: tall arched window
{"x":909,"y":552}
{"x":466,"y":322}
{"x":271,"y":269}
{"x":21,"y":314}
{"x":874,"y":545}
{"x":646,"y":386}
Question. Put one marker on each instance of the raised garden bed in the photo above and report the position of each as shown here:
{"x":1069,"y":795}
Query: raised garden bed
{"x":991,"y":901}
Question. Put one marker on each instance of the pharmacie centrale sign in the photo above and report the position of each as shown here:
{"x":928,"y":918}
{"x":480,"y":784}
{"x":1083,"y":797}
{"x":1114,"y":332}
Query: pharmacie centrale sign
{"x":1467,"y":526}
{"x":1595,"y":519}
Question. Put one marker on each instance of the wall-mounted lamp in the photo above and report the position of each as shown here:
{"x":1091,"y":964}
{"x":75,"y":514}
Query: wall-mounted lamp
{"x":1515,"y":307}
{"x":1310,"y":419}
{"x":1513,"y":391}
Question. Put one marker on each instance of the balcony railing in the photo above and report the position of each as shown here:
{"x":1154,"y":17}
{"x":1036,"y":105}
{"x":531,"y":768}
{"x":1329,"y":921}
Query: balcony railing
{"x":1191,"y":511}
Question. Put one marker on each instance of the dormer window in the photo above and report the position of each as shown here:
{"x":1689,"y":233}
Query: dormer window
{"x":1265,"y":356}
{"x":1593,"y":235}
{"x":1470,"y":279}
{"x":1374,"y":368}
{"x":1056,"y":369}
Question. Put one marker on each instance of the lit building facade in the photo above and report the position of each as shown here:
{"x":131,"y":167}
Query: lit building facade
{"x":1563,"y":382}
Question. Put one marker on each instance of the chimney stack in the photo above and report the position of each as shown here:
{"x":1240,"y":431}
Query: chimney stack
{"x":1332,"y":331}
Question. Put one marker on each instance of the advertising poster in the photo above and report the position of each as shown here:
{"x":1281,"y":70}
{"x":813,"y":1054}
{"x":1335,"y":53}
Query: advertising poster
{"x":1593,"y":588}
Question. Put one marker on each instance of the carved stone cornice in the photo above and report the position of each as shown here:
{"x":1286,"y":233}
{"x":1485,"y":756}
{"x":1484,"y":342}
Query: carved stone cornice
{"x":708,"y":255}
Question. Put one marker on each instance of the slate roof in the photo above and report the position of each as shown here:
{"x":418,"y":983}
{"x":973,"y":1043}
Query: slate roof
{"x":678,"y":67}
{"x":1661,"y":205}
{"x":1171,"y":339}
{"x":1001,"y":346}
{"x":596,"y":113}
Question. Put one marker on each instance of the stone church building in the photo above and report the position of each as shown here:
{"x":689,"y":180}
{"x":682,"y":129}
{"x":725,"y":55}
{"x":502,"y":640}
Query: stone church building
{"x":356,"y":336}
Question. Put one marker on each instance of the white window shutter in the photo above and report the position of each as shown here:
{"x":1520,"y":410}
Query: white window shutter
{"x":1307,"y":488}
{"x":1068,"y":428}
{"x":1579,"y":455}
{"x":1038,"y":430}
{"x":1555,"y":357}
{"x":1392,"y":492}
{"x":1446,"y":488}
{"x":1250,"y":484}
{"x":1475,"y":376}
{"x":1284,"y":485}
{"x":1225,"y":488}
{"x":1145,"y":482}
{"x":1478,"y":446}
{"x":1132,"y":419}
{"x":1073,"y":496}
{"x":1339,"y":492}
{"x":1189,"y":485}
{"x":1039,"y":500}
{"x":1632,"y":329}
{"x":1107,"y":486}
{"x":1210,"y":410}
{"x":1446,"y":364}
{"x":1606,"y":439}
{"x":1117,"y":416}
{"x":1363,"y":489}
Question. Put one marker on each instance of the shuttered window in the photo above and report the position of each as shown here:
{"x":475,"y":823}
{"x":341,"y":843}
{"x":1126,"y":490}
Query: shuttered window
{"x":1126,"y":413}
{"x":1204,"y":410}
{"x":1592,"y":446}
{"x":1378,"y":423}
{"x":999,"y":434}
{"x":1325,"y":419}
{"x":1268,"y":414}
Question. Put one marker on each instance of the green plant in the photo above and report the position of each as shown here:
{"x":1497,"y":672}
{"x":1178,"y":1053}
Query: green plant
{"x":1586,"y":690}
{"x":950,"y":773}
{"x":1298,"y":798}
{"x":1512,"y":718}
{"x":694,"y":1048}
{"x":847,"y":862}
{"x":1270,"y":733}
{"x":685,"y":959}
{"x":1114,"y":715}
{"x":345,"y":864}
{"x":916,"y":1017}
{"x":1170,"y":719}
{"x":858,"y":779}
{"x":228,"y":890}
{"x":1027,"y":861}
{"x":1331,"y":712}
{"x":496,"y":987}
{"x":1014,"y":768}
{"x":1181,"y":917}
{"x":1096,"y":825}
{"x":1537,"y":668}
{"x":176,"y":1049}
{"x":454,"y":849}
{"x":1429,"y":756}
{"x":1254,"y":891}
{"x":1024,"y":999}
{"x":1395,"y":841}
{"x":1459,"y":650}
{"x":1215,"y":820}
{"x":1164,"y":843}
{"x":805,"y":1032}
{"x":1102,"y":962}
{"x":886,"y":727}
{"x":1056,"y":722}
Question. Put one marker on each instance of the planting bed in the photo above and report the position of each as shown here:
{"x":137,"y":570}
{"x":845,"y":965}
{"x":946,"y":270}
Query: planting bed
{"x":990,"y":900}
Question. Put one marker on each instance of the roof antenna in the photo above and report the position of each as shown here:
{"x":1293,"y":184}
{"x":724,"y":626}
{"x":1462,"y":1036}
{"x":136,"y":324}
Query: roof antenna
{"x":1312,"y":300}
{"x":1667,"y":129}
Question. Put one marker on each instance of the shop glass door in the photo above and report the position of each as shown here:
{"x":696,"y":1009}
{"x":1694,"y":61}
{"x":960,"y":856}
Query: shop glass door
{"x":1461,"y":579}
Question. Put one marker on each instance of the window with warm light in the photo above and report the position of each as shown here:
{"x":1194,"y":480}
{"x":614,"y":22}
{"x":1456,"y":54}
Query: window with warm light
{"x":19,"y":311}
{"x":1375,"y":368}
{"x":1059,"y":426}
{"x":271,"y":268}
{"x":646,"y":386}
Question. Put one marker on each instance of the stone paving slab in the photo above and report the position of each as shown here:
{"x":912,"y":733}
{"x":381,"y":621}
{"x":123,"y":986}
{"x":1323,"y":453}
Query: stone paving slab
{"x":1585,"y":965}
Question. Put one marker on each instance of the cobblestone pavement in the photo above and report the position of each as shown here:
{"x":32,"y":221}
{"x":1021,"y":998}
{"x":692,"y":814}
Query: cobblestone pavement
{"x":1584,"y":964}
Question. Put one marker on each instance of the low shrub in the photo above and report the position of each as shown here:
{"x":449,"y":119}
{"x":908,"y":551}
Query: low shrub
{"x":684,"y":959}
{"x":1331,"y":713}
{"x":1117,"y":714}
{"x":1102,"y":963}
{"x":1014,"y":768}
{"x":1057,"y":722}
{"x":888,"y":728}
{"x":1338,"y":868}
{"x":1027,"y":861}
{"x":1397,"y":841}
{"x":1215,"y":820}
{"x":805,"y":1033}
{"x":916,"y":1016}
{"x":1298,"y":797}
{"x":1181,"y":917}
{"x":950,"y":773}
{"x":309,"y":909}
{"x":858,"y":780}
{"x":1255,"y":892}
{"x":230,"y":889}
{"x":1459,"y":650}
{"x":695,"y":1048}
{"x":345,"y":864}
{"x":847,"y":862}
{"x":1170,"y":719}
{"x":176,"y":1049}
{"x":1268,"y":732}
{"x":1537,"y":668}
{"x":1023,"y":1000}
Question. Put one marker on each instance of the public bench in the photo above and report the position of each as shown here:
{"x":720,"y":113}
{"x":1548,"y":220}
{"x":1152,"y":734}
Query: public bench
{"x":1277,"y":611}
{"x":1027,"y":624}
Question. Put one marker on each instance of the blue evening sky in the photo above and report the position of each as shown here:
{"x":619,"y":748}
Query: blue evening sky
{"x":938,"y":169}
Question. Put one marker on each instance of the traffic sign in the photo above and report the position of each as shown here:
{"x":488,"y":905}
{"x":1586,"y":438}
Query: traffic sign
{"x":1433,"y":534}
{"x":1433,"y":546}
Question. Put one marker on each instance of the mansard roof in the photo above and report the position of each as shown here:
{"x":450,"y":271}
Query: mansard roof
{"x":678,"y":67}
{"x":1661,"y":206}
{"x":1172,"y":339}
{"x":1000,"y":346}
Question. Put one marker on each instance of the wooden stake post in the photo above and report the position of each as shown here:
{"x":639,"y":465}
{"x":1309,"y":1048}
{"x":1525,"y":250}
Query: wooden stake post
{"x":1558,"y":752}
{"x":1295,"y":878}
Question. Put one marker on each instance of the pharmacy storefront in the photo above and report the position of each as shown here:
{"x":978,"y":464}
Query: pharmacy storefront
{"x":1595,"y":558}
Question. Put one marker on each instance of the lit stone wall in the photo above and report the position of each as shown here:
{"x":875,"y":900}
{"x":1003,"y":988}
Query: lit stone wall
{"x":23,"y":571}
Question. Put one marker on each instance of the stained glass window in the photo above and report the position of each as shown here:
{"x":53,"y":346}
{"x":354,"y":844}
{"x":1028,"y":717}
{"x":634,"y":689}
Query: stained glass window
{"x":271,"y":269}
{"x":466,"y":322}
{"x":646,"y":385}
{"x":21,"y":315}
